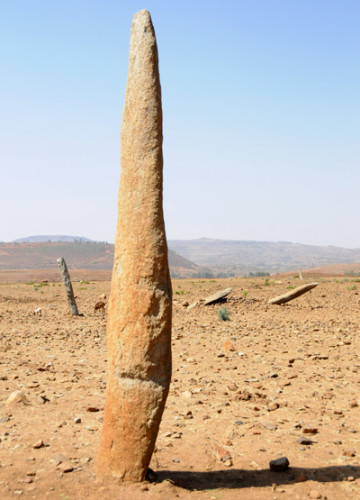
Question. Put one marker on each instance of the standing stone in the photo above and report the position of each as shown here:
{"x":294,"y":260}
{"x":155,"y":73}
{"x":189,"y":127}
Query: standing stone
{"x":68,"y":286}
{"x":139,"y":310}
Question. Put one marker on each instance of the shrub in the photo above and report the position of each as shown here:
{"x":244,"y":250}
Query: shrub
{"x":224,"y":314}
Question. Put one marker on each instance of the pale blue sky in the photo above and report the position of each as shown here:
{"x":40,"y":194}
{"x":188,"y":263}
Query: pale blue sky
{"x":261,"y":117}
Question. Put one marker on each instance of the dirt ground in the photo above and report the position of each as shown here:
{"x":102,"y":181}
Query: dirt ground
{"x":273,"y":381}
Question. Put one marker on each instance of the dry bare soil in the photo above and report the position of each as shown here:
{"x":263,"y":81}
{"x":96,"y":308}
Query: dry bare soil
{"x":243,"y":392}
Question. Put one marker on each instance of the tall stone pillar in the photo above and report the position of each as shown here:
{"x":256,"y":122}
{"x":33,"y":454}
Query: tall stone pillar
{"x":139,"y":310}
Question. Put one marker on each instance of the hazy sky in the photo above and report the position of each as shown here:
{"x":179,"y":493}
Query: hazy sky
{"x":261,"y":117}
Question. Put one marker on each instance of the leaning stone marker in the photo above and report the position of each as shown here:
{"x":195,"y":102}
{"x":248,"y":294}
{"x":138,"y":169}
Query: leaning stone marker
{"x":139,"y":309}
{"x":68,"y":286}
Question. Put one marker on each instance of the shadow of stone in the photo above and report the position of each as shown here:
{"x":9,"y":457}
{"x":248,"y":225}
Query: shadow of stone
{"x":239,"y":478}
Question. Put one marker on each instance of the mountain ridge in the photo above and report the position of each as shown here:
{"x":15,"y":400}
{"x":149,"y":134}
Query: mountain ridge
{"x":203,"y":257}
{"x":79,"y":254}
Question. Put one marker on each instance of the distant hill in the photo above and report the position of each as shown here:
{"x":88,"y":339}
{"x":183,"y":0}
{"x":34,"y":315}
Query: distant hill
{"x":79,"y":254}
{"x":229,"y":257}
{"x":48,"y":238}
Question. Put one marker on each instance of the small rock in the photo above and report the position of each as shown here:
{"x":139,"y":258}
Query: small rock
{"x":310,"y":430}
{"x":92,"y":409}
{"x":66,"y":467}
{"x":222,"y":455}
{"x":77,"y":420}
{"x":354,"y":404}
{"x":315,"y":494}
{"x":232,"y":387}
{"x":39,"y":444}
{"x":273,"y":406}
{"x":279,"y":465}
{"x":349,"y":452}
{"x":244,"y":395}
{"x":91,"y":428}
{"x":17,"y":397}
{"x":187,"y":394}
{"x":305,"y":440}
{"x":271,"y":426}
{"x":228,"y":346}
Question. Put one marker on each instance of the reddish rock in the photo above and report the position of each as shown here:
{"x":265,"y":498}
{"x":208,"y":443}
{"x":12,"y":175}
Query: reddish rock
{"x":228,"y":346}
{"x":139,"y":308}
{"x":223,"y":455}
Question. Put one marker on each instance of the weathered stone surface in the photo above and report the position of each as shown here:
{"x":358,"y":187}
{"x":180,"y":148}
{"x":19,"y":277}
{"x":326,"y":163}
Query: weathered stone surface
{"x":139,"y":309}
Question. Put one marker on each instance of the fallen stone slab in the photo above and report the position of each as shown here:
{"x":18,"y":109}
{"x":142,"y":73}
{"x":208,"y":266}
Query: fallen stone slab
{"x":217,"y":296}
{"x":293,"y":294}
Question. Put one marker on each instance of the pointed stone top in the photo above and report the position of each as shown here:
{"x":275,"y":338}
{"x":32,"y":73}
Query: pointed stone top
{"x":142,"y":14}
{"x":142,"y":21}
{"x":143,"y":50}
